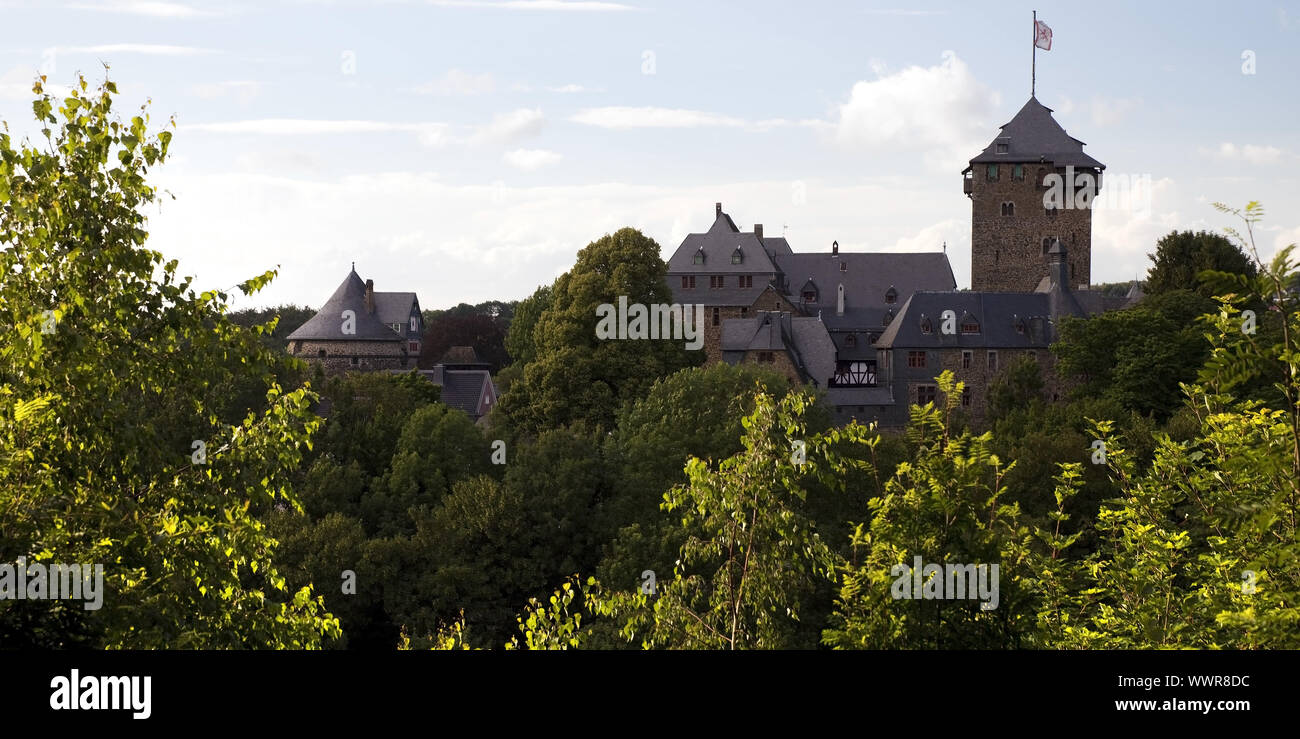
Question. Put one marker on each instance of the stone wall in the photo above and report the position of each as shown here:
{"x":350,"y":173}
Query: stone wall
{"x":354,"y":356}
{"x":1007,"y":252}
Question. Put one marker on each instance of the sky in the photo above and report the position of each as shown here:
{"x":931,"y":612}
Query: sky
{"x":467,"y":150}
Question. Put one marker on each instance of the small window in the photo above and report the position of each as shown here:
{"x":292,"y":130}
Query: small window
{"x":699,"y":256}
{"x":1042,"y":178}
{"x":737,"y":256}
{"x":1008,"y":209}
{"x":891,"y":295}
{"x":926,"y":326}
{"x":851,"y":340}
{"x":916,"y":359}
{"x":746,"y":280}
{"x":321,"y":353}
{"x":1047,"y":244}
{"x":413,"y":346}
{"x":1002,"y":148}
{"x":354,"y":361}
{"x":717,"y":316}
{"x":1018,"y":172}
{"x":844,"y":266}
{"x":991,"y":172}
{"x":415,"y":323}
{"x":744,"y":311}
{"x":969,"y":325}
{"x":889,"y":316}
{"x":926,"y":394}
{"x":766,"y":357}
{"x":1032,"y":355}
{"x":1050,"y":212}
{"x":967,"y":357}
{"x":716,"y":281}
{"x":993,"y":361}
{"x":809,"y":296}
{"x":688,"y":282}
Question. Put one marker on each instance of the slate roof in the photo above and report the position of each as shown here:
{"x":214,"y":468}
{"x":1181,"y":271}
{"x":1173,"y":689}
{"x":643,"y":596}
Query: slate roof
{"x":702,"y":294}
{"x":396,"y":308}
{"x":1033,"y":135}
{"x":867,"y":277}
{"x":327,"y":324}
{"x":879,"y":395}
{"x":461,"y":388}
{"x":719,"y":242}
{"x":996,"y":314}
{"x":461,"y":355}
{"x":806,"y":339}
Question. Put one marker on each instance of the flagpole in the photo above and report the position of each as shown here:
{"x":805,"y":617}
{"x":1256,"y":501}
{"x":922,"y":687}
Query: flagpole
{"x":1033,"y":69}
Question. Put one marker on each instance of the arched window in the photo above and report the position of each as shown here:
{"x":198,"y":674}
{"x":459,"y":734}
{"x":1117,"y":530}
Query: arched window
{"x":891,"y":296}
{"x":1008,"y":209}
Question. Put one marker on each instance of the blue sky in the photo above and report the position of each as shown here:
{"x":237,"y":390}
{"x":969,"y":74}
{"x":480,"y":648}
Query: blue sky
{"x":466,"y":150}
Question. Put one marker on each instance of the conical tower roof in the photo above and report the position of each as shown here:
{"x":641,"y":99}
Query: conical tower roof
{"x":327,"y":324}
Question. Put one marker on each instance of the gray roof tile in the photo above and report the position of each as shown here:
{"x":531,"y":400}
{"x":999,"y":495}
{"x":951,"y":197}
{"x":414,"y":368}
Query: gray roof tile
{"x":1033,"y":135}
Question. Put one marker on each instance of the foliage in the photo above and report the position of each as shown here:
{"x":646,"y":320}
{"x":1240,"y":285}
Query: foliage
{"x":111,"y":367}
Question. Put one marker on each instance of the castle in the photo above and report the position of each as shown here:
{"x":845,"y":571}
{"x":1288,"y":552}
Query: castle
{"x":874,"y":329}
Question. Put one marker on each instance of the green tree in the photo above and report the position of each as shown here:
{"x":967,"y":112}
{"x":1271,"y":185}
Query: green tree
{"x":117,"y":446}
{"x":576,"y":376}
{"x":1182,"y":256}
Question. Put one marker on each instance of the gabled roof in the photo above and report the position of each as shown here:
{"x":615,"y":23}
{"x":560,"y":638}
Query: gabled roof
{"x":810,"y":347}
{"x":395,"y":307}
{"x":868,"y":276}
{"x":718,"y":244}
{"x":1033,"y":135}
{"x":995,"y":313}
{"x":327,"y":324}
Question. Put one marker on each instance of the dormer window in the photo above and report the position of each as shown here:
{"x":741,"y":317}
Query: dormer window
{"x":889,"y":316}
{"x":844,"y":266}
{"x":891,"y":296}
{"x":737,"y":256}
{"x":969,"y":325}
{"x":1002,"y":147}
{"x":851,"y":340}
{"x":926,"y":326}
{"x":1019,"y":323}
{"x":699,"y":256}
{"x":808,"y":293}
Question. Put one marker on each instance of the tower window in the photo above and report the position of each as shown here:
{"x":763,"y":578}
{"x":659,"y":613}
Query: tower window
{"x":1018,"y":172}
{"x":1008,"y":209}
{"x":1047,"y":244}
{"x":993,"y":361}
{"x":844,"y":266}
{"x":717,"y":317}
{"x":966,"y":357}
{"x":1002,"y":148}
{"x":991,"y":172}
{"x":1042,"y":177}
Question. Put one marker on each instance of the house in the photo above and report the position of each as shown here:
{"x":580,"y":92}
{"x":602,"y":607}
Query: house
{"x":360,"y":329}
{"x":466,"y":381}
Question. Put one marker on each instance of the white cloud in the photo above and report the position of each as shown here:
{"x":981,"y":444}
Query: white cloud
{"x":242,"y":91}
{"x":457,"y":82}
{"x":1250,"y":153}
{"x":530,"y":159}
{"x":1109,"y":111}
{"x":144,"y":8}
{"x":148,"y":49}
{"x":564,"y":5}
{"x":942,"y":111}
{"x":509,"y":127}
{"x":431,"y":134}
{"x":650,"y":117}
{"x":572,"y":89}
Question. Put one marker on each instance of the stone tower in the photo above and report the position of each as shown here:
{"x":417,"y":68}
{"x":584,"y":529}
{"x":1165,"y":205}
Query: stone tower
{"x":1011,"y":185}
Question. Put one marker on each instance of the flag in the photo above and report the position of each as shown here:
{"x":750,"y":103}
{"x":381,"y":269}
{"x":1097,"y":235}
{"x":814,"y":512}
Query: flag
{"x":1042,"y":36}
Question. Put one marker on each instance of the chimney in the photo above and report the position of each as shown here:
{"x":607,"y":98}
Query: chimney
{"x":839,"y":300}
{"x":717,"y":210}
{"x":758,"y":231}
{"x":835,"y":248}
{"x":370,"y":296}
